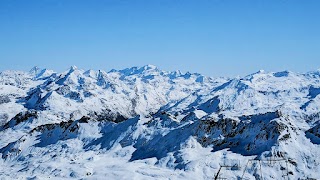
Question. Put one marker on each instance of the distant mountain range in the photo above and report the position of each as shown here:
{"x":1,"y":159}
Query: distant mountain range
{"x":145,"y":123}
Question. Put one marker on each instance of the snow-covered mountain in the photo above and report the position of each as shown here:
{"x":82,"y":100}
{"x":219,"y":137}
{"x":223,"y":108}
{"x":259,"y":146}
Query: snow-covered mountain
{"x":145,"y":123}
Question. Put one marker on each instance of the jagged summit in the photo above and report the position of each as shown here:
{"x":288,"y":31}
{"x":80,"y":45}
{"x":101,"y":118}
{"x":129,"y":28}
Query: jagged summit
{"x":261,"y":71}
{"x":149,"y":67}
{"x":138,"y":70}
{"x":255,"y":74}
{"x":73,"y":68}
{"x":34,"y":70}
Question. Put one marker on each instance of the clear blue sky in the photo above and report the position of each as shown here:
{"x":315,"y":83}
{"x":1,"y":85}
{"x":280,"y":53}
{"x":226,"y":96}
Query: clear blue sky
{"x":212,"y":37}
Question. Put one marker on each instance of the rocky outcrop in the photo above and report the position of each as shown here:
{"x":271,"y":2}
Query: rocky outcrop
{"x":314,"y":134}
{"x":21,"y":117}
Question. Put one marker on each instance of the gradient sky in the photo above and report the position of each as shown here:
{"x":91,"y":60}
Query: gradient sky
{"x":212,"y":37}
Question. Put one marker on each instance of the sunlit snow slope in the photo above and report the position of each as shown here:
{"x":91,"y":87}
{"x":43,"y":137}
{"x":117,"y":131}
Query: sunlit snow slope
{"x":145,"y":123}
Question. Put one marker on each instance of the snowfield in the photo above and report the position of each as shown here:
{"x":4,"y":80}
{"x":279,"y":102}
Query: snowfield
{"x":145,"y":123}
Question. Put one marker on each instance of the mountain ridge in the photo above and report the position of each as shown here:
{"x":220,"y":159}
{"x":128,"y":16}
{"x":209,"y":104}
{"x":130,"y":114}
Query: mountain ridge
{"x":166,"y":121}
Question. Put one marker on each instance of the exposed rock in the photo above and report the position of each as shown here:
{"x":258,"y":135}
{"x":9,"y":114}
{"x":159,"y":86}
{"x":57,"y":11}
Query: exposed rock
{"x":21,"y":117}
{"x":4,"y":99}
{"x":314,"y":134}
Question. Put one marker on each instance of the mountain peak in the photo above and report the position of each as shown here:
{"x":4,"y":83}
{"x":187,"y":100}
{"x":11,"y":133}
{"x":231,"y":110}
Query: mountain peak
{"x":261,"y":71}
{"x":34,"y":70}
{"x":137,"y":70}
{"x":253,"y":75}
{"x":73,"y":67}
{"x":149,"y":67}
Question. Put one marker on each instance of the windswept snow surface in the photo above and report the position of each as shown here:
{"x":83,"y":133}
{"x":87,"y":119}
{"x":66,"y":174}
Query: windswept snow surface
{"x":145,"y":123}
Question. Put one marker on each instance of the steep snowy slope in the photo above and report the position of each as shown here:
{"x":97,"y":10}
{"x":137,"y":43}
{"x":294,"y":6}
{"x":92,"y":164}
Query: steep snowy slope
{"x":145,"y":123}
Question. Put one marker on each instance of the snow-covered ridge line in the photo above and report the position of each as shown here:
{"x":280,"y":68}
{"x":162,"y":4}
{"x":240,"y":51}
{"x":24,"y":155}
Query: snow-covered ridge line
{"x":148,"y":123}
